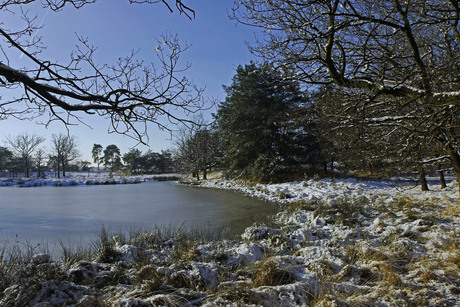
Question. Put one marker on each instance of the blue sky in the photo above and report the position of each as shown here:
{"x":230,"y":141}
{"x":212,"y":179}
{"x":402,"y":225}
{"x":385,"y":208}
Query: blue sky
{"x":116,"y":27}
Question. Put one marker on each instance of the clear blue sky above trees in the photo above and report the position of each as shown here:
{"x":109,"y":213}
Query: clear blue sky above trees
{"x":117,"y":28}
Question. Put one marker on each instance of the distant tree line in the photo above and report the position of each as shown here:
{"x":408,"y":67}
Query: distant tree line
{"x":24,"y":156}
{"x":134,"y":161}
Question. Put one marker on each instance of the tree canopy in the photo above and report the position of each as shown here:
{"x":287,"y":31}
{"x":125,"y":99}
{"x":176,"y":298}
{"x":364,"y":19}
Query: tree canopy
{"x":24,"y":145}
{"x":400,"y":48}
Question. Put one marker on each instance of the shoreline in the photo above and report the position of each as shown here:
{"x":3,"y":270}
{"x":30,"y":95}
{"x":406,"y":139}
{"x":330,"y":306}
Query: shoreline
{"x":93,"y":179}
{"x":344,"y":242}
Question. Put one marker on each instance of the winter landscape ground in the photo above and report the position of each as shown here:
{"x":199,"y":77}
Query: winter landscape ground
{"x":342,"y":242}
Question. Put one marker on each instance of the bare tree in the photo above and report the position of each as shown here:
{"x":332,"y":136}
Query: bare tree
{"x":186,"y":153}
{"x":40,"y":159}
{"x":24,"y":146}
{"x":197,"y":148}
{"x":361,"y":135}
{"x":129,"y":93}
{"x":401,"y":49}
{"x":65,"y":151}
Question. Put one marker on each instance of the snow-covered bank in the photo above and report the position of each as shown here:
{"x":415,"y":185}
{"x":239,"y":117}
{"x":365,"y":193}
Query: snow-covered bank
{"x":330,"y":190}
{"x":335,"y":243}
{"x":85,"y":180}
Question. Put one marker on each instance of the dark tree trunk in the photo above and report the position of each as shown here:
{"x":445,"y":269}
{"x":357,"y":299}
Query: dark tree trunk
{"x":442,"y":179}
{"x":371,"y":168}
{"x":58,"y":169}
{"x":204,"y":174}
{"x":455,"y":161}
{"x":63,"y":170}
{"x":422,"y":176}
{"x":27,"y":168}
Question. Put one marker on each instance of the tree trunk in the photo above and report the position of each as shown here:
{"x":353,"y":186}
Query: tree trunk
{"x":442,"y":179}
{"x":58,"y":169}
{"x":422,"y":176}
{"x":63,"y":169}
{"x":455,"y":161}
{"x":27,"y":168}
{"x":197,"y":175}
{"x":204,"y":174}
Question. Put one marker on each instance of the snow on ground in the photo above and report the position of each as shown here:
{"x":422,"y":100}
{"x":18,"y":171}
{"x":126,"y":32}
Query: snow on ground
{"x":83,"y":179}
{"x":340,"y":242}
{"x":330,"y":190}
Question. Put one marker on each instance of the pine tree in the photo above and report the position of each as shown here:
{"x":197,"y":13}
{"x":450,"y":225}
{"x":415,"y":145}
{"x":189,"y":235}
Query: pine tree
{"x":260,"y":137}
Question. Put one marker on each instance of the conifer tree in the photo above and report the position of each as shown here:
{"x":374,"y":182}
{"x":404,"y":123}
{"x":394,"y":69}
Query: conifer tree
{"x":260,"y":137}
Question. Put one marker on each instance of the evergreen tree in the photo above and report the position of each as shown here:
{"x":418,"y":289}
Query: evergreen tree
{"x":5,"y":158}
{"x":112,"y":158}
{"x":133,"y":160}
{"x":97,"y":154}
{"x":260,"y":136}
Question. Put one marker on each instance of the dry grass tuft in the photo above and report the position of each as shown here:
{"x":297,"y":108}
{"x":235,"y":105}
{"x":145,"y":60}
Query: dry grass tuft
{"x":452,"y":209}
{"x":268,"y":273}
{"x":185,"y":250}
{"x":168,"y":300}
{"x":310,"y":205}
{"x":106,"y":252}
{"x":389,"y":276}
{"x":149,"y":278}
{"x":342,"y":212}
{"x":71,"y":255}
{"x":236,"y":294}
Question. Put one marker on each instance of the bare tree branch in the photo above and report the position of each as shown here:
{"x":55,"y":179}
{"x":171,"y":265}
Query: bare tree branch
{"x":129,"y":93}
{"x":386,"y":48}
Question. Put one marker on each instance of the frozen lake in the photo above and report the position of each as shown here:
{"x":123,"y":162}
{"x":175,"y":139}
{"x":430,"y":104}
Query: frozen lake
{"x":76,"y":213}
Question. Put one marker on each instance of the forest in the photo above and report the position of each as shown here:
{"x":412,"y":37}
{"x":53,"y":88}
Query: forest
{"x":24,"y":156}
